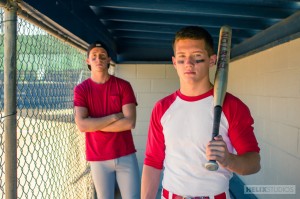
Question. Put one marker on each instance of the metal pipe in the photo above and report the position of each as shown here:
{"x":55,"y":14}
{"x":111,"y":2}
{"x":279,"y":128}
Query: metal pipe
{"x":10,"y":93}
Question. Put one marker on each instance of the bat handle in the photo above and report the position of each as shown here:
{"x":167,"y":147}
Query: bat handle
{"x":212,"y":165}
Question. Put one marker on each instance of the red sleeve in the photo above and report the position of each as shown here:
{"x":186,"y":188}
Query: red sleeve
{"x":241,"y":131}
{"x":155,"y":148}
{"x":128,"y":94}
{"x":79,"y":96}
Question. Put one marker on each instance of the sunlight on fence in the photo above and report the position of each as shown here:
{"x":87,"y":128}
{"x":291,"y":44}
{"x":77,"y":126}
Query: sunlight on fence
{"x":51,"y":158}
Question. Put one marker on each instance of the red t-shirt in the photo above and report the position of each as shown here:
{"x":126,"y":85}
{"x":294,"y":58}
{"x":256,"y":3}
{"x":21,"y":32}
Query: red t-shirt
{"x":102,"y":100}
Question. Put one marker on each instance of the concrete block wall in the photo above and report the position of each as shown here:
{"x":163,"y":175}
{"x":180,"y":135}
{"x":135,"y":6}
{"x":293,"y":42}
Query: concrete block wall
{"x":269,"y":83}
{"x":150,"y":83}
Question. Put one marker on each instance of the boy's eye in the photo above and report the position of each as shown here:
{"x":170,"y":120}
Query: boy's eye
{"x":102,"y":57}
{"x":180,"y":61}
{"x":199,"y":61}
{"x":196,"y":61}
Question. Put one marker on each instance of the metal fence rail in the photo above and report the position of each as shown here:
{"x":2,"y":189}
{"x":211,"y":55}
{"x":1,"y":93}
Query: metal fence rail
{"x":50,"y":150}
{"x":1,"y":109}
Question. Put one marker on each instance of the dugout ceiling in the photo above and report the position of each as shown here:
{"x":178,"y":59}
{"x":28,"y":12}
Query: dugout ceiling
{"x":141,"y":31}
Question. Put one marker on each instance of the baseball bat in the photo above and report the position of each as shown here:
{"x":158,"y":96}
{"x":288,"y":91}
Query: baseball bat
{"x":220,"y":84}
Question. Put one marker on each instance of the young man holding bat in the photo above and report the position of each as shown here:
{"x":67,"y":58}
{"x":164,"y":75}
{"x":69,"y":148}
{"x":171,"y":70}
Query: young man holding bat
{"x":180,"y":130}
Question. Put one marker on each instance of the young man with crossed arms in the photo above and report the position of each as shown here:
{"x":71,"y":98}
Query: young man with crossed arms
{"x":180,"y":130}
{"x":105,"y":109}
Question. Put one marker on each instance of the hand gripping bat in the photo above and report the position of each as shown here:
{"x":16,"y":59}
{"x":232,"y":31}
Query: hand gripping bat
{"x":220,"y":84}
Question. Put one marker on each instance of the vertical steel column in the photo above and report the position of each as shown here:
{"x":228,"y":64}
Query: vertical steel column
{"x":10,"y":120}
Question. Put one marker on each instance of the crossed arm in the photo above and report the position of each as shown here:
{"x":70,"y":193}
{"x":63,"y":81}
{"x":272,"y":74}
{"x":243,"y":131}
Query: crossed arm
{"x":117,"y":122}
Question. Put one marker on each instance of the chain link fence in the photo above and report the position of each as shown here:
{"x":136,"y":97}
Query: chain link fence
{"x":51,"y":159}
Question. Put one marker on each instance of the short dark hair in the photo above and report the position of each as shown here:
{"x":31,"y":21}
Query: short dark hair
{"x":197,"y":33}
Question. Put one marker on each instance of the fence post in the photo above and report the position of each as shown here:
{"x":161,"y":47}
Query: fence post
{"x":10,"y":120}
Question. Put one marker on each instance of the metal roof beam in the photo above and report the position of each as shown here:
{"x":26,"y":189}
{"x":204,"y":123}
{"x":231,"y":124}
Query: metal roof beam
{"x":196,"y":7}
{"x":169,"y":19}
{"x":275,"y":33}
{"x":154,"y":28}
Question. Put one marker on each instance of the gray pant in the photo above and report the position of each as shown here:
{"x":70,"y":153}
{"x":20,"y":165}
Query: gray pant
{"x":124,"y":170}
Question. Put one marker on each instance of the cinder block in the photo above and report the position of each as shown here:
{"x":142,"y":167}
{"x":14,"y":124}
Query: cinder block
{"x":279,"y":109}
{"x":140,"y":141}
{"x":293,"y":108}
{"x":149,"y":99}
{"x":154,"y":71}
{"x":143,"y":114}
{"x":292,"y":57}
{"x":165,"y":85}
{"x":140,"y":85}
{"x":126,"y":71}
{"x":141,"y":128}
{"x":171,"y":72}
{"x":287,"y":138}
{"x":264,"y":107}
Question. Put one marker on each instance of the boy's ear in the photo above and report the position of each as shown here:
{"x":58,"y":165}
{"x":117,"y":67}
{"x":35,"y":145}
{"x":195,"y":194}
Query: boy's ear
{"x":212,"y":60}
{"x":174,"y":61}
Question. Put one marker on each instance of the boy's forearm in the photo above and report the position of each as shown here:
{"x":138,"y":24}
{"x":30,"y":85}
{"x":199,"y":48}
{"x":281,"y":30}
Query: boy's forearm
{"x":246,"y":164}
{"x":95,"y":124}
{"x":150,"y":182}
{"x":120,"y":125}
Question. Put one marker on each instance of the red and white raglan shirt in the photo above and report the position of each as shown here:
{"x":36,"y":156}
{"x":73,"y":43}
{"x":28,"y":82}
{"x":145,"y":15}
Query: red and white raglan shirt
{"x":181,"y":127}
{"x":102,"y":100}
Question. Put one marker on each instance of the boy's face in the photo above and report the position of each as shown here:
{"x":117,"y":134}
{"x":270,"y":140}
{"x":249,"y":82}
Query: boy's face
{"x":98,"y":59}
{"x":191,"y":60}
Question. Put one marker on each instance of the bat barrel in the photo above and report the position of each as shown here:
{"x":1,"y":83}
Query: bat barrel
{"x":223,"y":57}
{"x":220,"y":86}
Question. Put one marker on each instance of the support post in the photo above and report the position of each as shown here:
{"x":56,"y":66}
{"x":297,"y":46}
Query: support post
{"x":10,"y":93}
